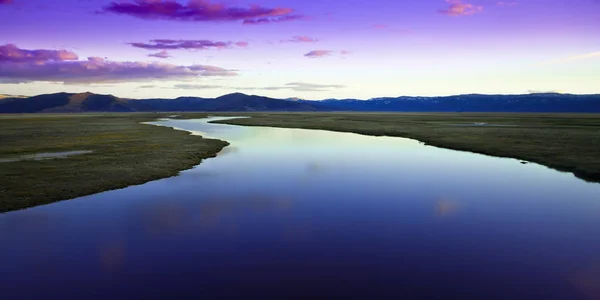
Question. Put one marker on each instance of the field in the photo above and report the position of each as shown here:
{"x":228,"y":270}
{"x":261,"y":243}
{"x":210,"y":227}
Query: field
{"x":565,"y":142}
{"x":126,"y":152}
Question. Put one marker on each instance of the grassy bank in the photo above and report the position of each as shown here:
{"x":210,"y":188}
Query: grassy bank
{"x":125,"y":153}
{"x":566,"y":142}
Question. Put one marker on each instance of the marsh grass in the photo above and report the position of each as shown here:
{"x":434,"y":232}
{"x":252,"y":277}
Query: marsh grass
{"x":565,"y":142}
{"x":125,"y":153}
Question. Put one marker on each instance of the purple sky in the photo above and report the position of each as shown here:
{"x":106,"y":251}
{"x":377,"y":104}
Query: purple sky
{"x":311,"y":49}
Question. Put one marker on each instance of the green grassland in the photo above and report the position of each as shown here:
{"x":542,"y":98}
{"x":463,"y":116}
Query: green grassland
{"x":125,"y":153}
{"x":565,"y":142}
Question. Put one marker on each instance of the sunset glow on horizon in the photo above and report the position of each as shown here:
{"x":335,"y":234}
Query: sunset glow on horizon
{"x":307,"y":49}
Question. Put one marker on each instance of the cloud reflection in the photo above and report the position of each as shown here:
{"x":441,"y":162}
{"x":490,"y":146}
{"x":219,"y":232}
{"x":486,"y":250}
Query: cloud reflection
{"x":445,"y":207}
{"x":175,"y":217}
{"x":112,"y":256}
{"x":587,"y":280}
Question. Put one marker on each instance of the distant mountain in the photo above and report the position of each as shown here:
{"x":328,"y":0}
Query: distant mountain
{"x":542,"y":102}
{"x":66,"y":102}
{"x":88,"y":102}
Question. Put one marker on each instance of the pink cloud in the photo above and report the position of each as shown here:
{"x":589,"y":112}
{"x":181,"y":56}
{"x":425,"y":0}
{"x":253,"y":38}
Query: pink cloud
{"x":242,"y":44}
{"x":161,"y":54}
{"x":10,"y":52}
{"x":345,"y":52}
{"x":165,"y":44}
{"x":318,"y":53}
{"x":67,"y":69}
{"x":503,"y":3}
{"x":300,"y":39}
{"x":199,"y":11}
{"x":459,"y":8}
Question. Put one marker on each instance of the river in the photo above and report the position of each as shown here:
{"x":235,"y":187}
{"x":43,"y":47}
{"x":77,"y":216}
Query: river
{"x":293,"y":213}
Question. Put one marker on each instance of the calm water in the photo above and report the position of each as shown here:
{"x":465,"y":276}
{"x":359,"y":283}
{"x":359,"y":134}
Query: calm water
{"x":289,"y":213}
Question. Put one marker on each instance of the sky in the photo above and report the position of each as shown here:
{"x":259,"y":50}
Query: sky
{"x":310,"y":49}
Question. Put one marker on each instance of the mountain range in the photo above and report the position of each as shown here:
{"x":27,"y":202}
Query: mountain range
{"x":90,"y":102}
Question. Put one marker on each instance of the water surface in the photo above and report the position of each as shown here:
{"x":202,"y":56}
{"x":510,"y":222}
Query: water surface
{"x":45,"y":155}
{"x":292,"y":213}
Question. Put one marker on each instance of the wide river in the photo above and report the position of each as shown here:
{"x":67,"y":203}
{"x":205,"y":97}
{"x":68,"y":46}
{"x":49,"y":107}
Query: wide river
{"x":292,"y":213}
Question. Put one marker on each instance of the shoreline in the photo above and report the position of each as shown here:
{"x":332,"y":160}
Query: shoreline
{"x":503,"y":151}
{"x":127,"y":152}
{"x":149,"y":153}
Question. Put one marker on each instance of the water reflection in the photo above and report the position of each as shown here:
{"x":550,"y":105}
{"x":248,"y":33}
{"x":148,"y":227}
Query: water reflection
{"x":284,"y":213}
{"x":112,"y":256}
{"x":445,"y":207}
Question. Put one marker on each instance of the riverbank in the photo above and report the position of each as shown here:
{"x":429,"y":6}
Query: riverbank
{"x":565,"y":142}
{"x":120,"y":151}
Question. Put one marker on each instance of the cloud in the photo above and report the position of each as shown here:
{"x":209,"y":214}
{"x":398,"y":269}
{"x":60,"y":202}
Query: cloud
{"x":161,"y":54}
{"x":510,"y":3}
{"x":147,"y":86}
{"x":572,"y":58}
{"x":186,"y":86}
{"x":12,"y":53}
{"x":345,"y":52}
{"x":300,"y":39}
{"x":273,"y":20}
{"x":166,"y":44}
{"x":318,"y":53}
{"x":459,"y":8}
{"x":59,"y":66}
{"x":312,"y":87}
{"x":199,"y":11}
{"x":292,"y":86}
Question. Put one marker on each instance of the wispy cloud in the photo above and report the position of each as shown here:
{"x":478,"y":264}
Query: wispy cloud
{"x":572,"y":58}
{"x":300,"y":39}
{"x":166,"y":44}
{"x":318,"y":53}
{"x":273,"y":20}
{"x":147,"y":86}
{"x":323,"y":53}
{"x":386,"y":27}
{"x":460,"y":8}
{"x":311,"y":87}
{"x":161,"y":54}
{"x":507,"y":3}
{"x":199,"y":11}
{"x":22,"y":65}
{"x":292,"y":86}
{"x":190,"y":86}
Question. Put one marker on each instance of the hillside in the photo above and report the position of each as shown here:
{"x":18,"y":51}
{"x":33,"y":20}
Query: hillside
{"x":89,"y":102}
{"x":66,"y":102}
{"x":543,"y":102}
